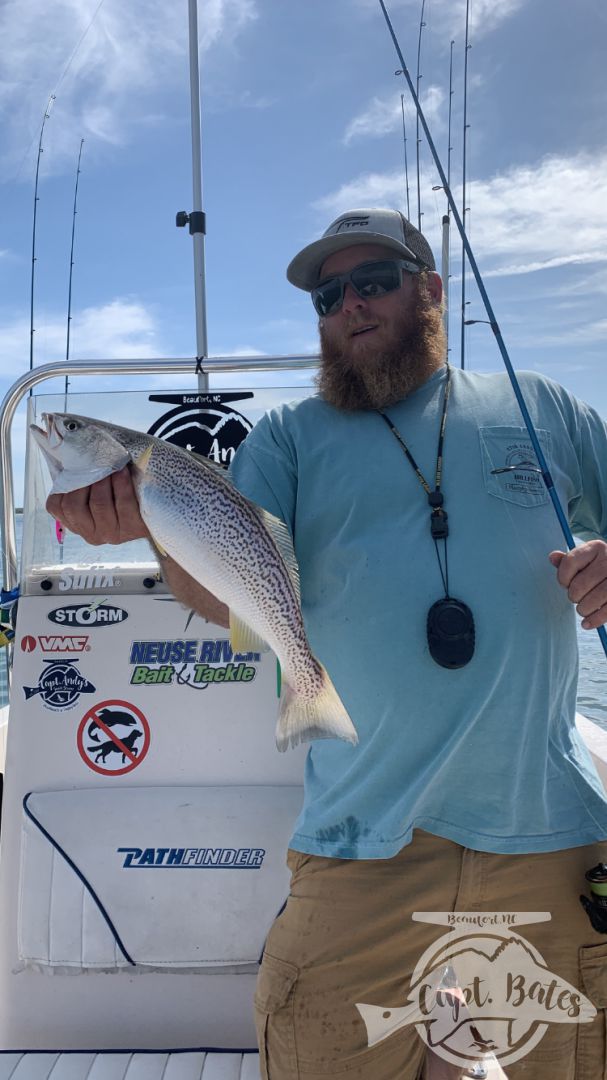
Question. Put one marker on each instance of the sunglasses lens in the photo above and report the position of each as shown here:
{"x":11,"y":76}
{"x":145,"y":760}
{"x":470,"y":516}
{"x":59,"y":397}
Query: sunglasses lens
{"x":327,"y":297}
{"x":376,"y":279}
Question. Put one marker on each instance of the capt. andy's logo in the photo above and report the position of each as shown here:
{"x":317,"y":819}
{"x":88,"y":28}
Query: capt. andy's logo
{"x":60,"y":685}
{"x":480,"y":990}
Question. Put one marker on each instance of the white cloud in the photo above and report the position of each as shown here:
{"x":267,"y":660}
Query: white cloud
{"x":130,"y":53}
{"x":448,"y":16}
{"x":532,"y":217}
{"x":383,"y":116}
{"x":120,"y":329}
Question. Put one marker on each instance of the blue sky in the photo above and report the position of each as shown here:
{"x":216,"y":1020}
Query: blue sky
{"x":301,"y":120}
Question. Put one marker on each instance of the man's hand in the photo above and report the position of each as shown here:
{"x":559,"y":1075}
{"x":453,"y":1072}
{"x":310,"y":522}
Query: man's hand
{"x":583,"y":572}
{"x":105,"y":513}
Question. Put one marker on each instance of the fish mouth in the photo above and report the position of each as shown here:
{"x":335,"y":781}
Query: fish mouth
{"x":49,"y":440}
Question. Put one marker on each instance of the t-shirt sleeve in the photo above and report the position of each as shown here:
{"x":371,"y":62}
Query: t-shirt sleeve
{"x":263,"y":469}
{"x":588,"y":508}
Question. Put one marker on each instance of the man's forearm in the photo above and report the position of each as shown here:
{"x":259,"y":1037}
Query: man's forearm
{"x":189,"y":592}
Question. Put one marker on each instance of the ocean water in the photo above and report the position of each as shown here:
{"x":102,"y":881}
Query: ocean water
{"x":592,"y":687}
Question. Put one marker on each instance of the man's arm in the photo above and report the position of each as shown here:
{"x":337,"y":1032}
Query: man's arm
{"x":108,"y":513}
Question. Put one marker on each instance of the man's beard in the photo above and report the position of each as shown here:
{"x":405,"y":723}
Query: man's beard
{"x":415,"y":350}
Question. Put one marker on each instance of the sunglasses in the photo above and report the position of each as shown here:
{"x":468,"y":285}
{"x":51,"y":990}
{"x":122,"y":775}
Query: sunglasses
{"x":368,"y":280}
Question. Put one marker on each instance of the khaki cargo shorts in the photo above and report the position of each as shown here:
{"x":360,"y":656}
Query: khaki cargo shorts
{"x":346,"y":937}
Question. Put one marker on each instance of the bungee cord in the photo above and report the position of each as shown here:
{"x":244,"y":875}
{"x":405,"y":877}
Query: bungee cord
{"x":544,"y":470}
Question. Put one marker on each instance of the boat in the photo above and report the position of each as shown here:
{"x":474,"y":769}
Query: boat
{"x":138,"y":741}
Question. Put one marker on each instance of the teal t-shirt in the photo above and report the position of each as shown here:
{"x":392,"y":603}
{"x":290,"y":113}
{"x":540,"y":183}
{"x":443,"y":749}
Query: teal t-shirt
{"x":487,"y":755}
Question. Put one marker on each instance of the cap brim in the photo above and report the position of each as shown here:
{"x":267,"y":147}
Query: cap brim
{"x":304,"y":270}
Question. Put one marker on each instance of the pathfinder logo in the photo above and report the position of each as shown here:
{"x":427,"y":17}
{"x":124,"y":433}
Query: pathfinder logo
{"x":88,"y":615}
{"x":54,"y":643}
{"x":192,"y":858}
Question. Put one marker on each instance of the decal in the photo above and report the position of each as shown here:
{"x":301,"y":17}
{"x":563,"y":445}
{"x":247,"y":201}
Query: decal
{"x":95,"y":577}
{"x":190,"y":661}
{"x":191,"y":858}
{"x":95,"y":614}
{"x":60,"y":685}
{"x":205,"y":424}
{"x":56,"y":643}
{"x":113,"y":737}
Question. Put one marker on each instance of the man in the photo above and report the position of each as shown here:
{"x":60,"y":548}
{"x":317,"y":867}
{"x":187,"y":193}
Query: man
{"x":427,"y":546}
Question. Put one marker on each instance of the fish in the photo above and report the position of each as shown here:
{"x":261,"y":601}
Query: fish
{"x":237,"y":550}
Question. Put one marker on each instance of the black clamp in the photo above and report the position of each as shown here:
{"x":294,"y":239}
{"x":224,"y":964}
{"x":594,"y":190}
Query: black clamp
{"x":197,"y":221}
{"x":438,"y":524}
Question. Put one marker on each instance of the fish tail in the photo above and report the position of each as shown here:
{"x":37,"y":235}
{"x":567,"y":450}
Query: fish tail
{"x":324,"y":717}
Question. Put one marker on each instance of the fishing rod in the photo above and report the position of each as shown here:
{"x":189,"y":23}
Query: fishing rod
{"x":418,"y":140}
{"x":402,"y":105}
{"x":491,"y":319}
{"x":69,"y":290}
{"x":447,"y":218}
{"x":47,"y":113}
{"x":464,"y":207}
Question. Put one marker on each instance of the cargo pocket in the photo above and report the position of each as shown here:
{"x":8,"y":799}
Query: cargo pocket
{"x":592,"y":1037}
{"x":274,"y":1019}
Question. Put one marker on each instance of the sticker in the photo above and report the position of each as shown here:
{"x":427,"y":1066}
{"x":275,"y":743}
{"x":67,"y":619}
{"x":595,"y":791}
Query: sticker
{"x":60,"y":685}
{"x":55,"y":643}
{"x":113,"y":737}
{"x":96,"y":614}
{"x":192,"y":858}
{"x":204,"y":424}
{"x":190,"y":662}
{"x":85,"y":581}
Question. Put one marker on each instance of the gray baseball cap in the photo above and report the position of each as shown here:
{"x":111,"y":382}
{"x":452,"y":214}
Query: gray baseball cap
{"x":368,"y":226}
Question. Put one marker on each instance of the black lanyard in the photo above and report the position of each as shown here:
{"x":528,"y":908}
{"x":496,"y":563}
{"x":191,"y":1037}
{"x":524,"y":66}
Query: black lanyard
{"x":439,"y":527}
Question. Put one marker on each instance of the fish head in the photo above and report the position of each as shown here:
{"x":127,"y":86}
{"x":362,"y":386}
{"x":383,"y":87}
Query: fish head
{"x":78,"y":450}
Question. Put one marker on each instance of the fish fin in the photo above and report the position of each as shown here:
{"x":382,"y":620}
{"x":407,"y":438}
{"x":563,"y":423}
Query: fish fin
{"x":325,"y":717}
{"x":142,"y":461}
{"x":159,"y":548}
{"x":284,"y":542}
{"x":243,"y":639}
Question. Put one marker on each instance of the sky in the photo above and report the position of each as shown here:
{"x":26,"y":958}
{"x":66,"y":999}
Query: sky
{"x":301,"y":120}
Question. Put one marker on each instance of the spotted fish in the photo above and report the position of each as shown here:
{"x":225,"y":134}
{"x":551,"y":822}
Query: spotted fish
{"x":233,"y":548}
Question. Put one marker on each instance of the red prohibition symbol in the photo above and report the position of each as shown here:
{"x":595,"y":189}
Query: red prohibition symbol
{"x":113,"y":737}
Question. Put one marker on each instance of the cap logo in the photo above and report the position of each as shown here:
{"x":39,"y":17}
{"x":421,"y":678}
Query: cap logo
{"x":353,"y":223}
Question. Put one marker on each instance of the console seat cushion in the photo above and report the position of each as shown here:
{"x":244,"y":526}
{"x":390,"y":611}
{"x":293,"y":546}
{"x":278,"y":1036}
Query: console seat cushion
{"x":144,"y":879}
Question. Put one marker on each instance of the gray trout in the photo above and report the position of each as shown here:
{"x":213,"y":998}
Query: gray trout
{"x":235,"y":549}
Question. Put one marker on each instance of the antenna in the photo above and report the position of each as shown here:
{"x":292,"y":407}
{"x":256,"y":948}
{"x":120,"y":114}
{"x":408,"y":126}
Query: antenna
{"x":402,"y":105}
{"x":69,"y":291}
{"x":418,"y":140}
{"x":465,"y":209}
{"x":47,"y":113}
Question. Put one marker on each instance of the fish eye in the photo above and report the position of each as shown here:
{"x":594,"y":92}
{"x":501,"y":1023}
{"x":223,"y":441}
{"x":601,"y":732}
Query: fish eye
{"x":71,"y":425}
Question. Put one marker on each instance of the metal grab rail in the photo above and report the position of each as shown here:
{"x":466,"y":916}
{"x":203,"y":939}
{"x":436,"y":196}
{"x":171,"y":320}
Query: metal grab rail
{"x":104,"y":367}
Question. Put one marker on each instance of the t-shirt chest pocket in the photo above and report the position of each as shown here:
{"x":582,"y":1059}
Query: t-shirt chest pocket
{"x":510,"y":449}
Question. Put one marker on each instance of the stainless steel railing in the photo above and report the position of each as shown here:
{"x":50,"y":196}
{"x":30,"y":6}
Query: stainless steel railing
{"x":40,"y":374}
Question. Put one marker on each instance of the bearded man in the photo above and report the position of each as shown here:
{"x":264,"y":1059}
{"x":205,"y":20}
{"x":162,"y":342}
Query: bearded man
{"x":427,"y":548}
